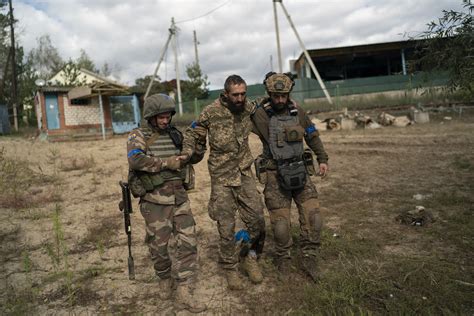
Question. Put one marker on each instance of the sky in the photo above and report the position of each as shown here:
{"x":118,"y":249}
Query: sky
{"x":235,"y":37}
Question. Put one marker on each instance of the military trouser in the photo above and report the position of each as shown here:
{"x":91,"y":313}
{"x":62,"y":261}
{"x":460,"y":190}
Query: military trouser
{"x":278,"y":202}
{"x":162,"y":220}
{"x":223,"y":205}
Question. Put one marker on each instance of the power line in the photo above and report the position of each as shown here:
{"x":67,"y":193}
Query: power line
{"x":201,"y":16}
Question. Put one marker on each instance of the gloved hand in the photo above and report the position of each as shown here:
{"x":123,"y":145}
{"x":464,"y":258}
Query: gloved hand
{"x":172,"y":163}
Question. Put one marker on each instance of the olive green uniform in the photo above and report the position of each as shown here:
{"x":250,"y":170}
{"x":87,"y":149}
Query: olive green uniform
{"x":233,"y":186}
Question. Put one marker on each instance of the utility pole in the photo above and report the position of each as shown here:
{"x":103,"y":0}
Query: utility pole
{"x":196,"y":47}
{"x":280,"y":68}
{"x":172,"y":36}
{"x":176,"y":64}
{"x":308,"y":58}
{"x":13,"y":63}
{"x":163,"y":52}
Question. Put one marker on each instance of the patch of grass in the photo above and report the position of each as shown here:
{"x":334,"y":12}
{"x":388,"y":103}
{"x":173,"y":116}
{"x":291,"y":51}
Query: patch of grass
{"x":99,"y":235}
{"x":462,"y":163}
{"x":18,"y":302}
{"x":358,"y":279}
{"x":85,"y":164}
{"x":16,"y":177}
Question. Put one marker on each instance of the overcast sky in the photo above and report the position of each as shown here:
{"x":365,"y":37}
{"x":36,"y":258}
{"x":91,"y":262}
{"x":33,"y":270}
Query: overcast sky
{"x":234,"y":36}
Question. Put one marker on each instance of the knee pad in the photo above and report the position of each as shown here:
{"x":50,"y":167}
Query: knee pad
{"x":312,"y":215}
{"x":280,"y":219}
{"x":281,"y":231}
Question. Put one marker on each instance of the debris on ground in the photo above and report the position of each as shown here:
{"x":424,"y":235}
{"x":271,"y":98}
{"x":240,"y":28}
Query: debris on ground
{"x":418,"y":116}
{"x":420,"y":197}
{"x":417,"y":217}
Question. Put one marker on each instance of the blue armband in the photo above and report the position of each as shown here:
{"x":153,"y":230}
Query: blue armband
{"x":310,"y":129}
{"x":242,"y":235}
{"x":134,"y":152}
{"x":194,"y":124}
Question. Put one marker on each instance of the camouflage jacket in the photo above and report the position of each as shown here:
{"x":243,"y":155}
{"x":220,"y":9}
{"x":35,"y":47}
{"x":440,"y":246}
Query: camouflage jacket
{"x":230,"y":154}
{"x":261,"y":121}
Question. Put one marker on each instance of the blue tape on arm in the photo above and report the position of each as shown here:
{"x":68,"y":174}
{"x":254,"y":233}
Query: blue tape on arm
{"x":134,"y":152}
{"x":242,"y":234}
{"x":311,"y":129}
{"x":194,"y":124}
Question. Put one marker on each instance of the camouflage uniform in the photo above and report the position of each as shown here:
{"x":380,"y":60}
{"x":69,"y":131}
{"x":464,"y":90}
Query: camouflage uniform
{"x":233,"y":185}
{"x":165,"y":205}
{"x":277,"y":198}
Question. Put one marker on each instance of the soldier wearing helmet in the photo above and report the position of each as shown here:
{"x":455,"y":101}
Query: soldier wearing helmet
{"x":226,"y":124}
{"x":157,"y":177}
{"x":284,"y":167}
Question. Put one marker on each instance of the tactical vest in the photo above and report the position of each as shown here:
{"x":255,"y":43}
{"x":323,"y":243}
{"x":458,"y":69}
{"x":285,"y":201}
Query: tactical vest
{"x":286,"y":146}
{"x":162,"y":146}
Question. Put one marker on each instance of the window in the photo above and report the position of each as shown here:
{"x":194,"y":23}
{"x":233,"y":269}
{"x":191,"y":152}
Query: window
{"x":85,"y":101}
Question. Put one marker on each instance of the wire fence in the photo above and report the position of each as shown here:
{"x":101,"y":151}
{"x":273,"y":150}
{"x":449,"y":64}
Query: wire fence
{"x":351,"y":93}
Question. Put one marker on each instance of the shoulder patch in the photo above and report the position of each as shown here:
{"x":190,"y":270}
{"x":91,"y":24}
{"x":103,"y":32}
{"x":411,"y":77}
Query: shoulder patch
{"x":132,"y":136}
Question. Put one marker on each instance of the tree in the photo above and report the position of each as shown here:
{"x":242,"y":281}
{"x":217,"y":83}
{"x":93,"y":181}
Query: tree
{"x":71,"y":73}
{"x":449,"y":46}
{"x":4,"y":49}
{"x":84,"y":61}
{"x":45,"y":58}
{"x":197,"y":85}
{"x":141,"y":85}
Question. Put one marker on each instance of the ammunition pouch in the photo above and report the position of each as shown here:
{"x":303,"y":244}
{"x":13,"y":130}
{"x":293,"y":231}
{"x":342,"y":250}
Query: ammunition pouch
{"x":292,"y":175}
{"x":309,"y":162}
{"x":142,"y":182}
{"x":294,"y":133}
{"x":261,"y":169}
{"x":135,"y":184}
{"x":188,"y":177}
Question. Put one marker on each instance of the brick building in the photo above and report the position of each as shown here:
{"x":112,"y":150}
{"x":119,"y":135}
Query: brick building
{"x":93,"y":107}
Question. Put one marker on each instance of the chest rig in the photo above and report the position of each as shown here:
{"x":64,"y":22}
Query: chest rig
{"x":286,"y":146}
{"x":163,"y":146}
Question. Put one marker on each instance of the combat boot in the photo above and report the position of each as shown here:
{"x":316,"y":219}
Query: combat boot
{"x":251,"y":267}
{"x":234,"y":281}
{"x":284,"y":266}
{"x":310,"y":266}
{"x":165,"y":288}
{"x":185,"y":300}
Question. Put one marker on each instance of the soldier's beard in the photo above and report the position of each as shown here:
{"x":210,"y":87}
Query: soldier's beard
{"x":278,"y":107}
{"x":236,"y":108}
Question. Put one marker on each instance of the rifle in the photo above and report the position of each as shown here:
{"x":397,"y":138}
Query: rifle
{"x":125,"y":207}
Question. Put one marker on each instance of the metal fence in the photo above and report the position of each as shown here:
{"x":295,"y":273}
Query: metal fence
{"x":310,"y":89}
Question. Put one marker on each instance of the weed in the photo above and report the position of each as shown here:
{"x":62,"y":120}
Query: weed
{"x":77,"y":164}
{"x":462,"y":163}
{"x":99,"y":235}
{"x":16,"y":177}
{"x":27,"y":264}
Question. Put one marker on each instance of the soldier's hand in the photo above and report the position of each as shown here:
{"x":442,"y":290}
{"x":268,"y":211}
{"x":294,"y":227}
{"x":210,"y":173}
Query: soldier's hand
{"x":323,"y":169}
{"x":183,"y":158}
{"x":172,"y":163}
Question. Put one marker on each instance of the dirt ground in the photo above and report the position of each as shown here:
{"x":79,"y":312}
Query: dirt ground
{"x":63,"y":245}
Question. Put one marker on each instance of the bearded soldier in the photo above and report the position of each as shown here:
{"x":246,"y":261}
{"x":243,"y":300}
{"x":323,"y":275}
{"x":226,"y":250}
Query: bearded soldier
{"x":233,"y":188}
{"x":156,"y":176}
{"x":283,"y":126}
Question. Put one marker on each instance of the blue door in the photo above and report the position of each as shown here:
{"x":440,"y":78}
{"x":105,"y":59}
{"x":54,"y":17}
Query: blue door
{"x":52,"y":111}
{"x":125,"y":113}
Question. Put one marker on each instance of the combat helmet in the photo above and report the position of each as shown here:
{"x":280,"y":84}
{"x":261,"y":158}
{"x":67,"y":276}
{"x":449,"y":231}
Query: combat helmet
{"x":278,"y":82}
{"x":157,"y":104}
